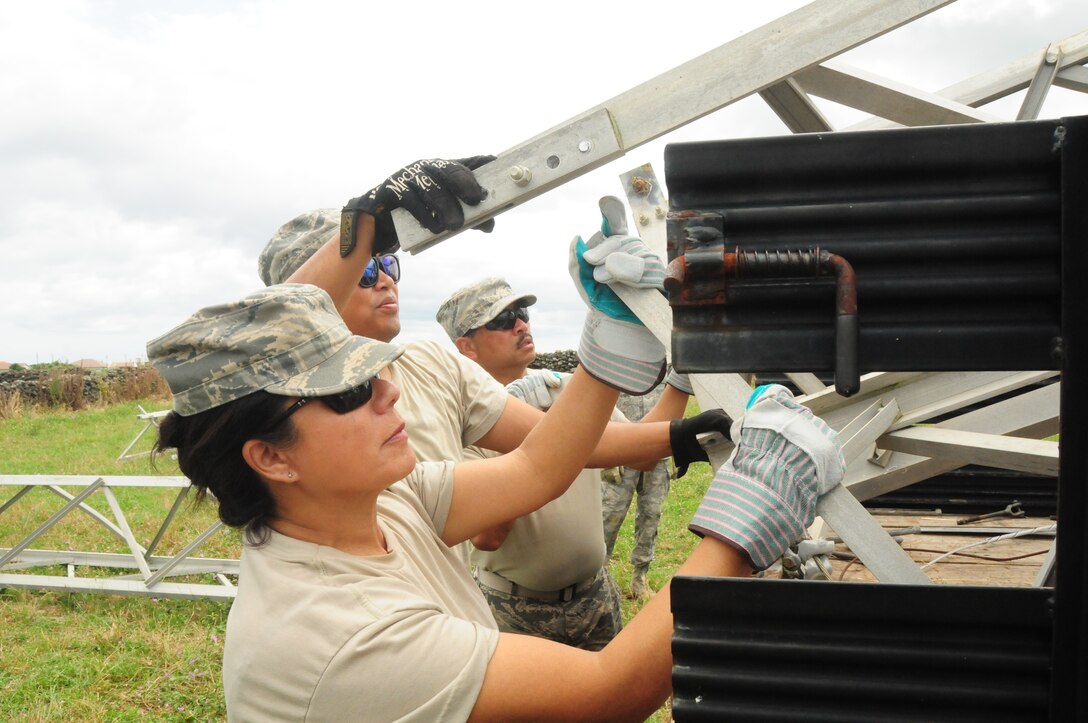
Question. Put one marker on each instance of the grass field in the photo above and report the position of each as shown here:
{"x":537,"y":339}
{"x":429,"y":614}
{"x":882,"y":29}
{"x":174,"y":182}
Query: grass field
{"x":82,"y":657}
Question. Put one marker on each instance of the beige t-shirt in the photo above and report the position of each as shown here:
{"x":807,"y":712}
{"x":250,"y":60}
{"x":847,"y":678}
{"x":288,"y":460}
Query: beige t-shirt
{"x":318,"y":634}
{"x":558,"y":545}
{"x":447,"y":401}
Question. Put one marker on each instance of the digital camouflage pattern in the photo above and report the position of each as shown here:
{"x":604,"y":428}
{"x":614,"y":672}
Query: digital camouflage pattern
{"x":475,"y":305}
{"x":286,"y":339}
{"x":589,"y":621}
{"x":295,"y":242}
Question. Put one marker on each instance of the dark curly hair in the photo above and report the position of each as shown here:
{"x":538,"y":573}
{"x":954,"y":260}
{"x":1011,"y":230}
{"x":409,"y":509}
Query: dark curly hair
{"x":209,"y":449}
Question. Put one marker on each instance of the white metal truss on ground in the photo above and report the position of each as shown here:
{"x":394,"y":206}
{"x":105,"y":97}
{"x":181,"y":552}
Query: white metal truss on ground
{"x":152,"y":572}
{"x":786,"y":62}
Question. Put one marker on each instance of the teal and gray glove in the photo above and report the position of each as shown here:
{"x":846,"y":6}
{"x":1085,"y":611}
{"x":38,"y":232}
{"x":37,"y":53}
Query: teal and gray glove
{"x":764,"y":498}
{"x":538,"y":389}
{"x":427,"y":189}
{"x":616,"y":347}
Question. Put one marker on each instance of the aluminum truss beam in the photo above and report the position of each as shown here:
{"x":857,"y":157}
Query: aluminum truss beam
{"x":741,"y":67}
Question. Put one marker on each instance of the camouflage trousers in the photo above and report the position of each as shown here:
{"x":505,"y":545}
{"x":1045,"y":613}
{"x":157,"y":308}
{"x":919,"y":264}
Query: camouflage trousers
{"x":651,"y":488}
{"x":589,"y":620}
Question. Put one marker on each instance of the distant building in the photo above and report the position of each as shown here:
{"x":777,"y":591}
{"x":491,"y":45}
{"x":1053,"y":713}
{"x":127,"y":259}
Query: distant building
{"x":88,"y":364}
{"x":4,"y":365}
{"x":114,"y":365}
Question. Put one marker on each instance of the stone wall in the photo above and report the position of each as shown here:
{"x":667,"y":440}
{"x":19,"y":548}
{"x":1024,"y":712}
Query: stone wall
{"x":75,"y":388}
{"x":560,"y":361}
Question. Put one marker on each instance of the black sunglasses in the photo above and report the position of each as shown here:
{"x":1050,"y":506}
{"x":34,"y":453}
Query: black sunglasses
{"x":390,"y":264}
{"x":508,"y":319}
{"x":341,"y":403}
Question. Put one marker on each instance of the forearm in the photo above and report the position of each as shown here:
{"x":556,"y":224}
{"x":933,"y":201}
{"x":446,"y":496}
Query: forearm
{"x":546,"y":462}
{"x":627,"y":680}
{"x":632,"y":445}
{"x":560,"y":446}
{"x":673,"y":404}
{"x":338,"y":275}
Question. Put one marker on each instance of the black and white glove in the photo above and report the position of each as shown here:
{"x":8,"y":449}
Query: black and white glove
{"x":428,"y":189}
{"x":683,"y":437}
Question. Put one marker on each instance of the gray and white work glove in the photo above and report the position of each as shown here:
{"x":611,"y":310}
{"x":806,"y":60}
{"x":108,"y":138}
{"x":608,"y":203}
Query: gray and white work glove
{"x":429,"y":189}
{"x":538,"y":389}
{"x":764,"y":498}
{"x":616,"y":347}
{"x":679,"y":381}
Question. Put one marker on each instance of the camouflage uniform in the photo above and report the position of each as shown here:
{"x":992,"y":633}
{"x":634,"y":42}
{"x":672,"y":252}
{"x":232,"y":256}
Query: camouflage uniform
{"x":589,"y":620}
{"x":651,"y":487}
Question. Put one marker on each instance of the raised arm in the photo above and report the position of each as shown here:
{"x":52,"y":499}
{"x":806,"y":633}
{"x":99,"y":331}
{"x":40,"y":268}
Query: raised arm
{"x":616,"y":353}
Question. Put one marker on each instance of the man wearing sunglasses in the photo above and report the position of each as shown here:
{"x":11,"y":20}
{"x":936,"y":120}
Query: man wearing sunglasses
{"x":544,"y":574}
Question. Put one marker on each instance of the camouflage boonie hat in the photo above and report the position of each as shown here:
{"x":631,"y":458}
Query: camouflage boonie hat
{"x":286,"y":339}
{"x":475,"y":305}
{"x":295,"y":242}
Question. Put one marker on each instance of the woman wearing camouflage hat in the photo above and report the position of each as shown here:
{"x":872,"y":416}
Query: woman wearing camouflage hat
{"x":351,"y":604}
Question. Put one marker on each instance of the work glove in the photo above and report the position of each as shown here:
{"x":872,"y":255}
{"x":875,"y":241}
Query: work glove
{"x":679,"y":381}
{"x":616,"y":347}
{"x":428,"y":189}
{"x":764,"y":498}
{"x":538,"y":390}
{"x":683,"y":437}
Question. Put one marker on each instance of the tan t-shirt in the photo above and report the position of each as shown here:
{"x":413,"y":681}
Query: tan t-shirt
{"x":447,"y":401}
{"x":558,"y":545}
{"x":318,"y":634}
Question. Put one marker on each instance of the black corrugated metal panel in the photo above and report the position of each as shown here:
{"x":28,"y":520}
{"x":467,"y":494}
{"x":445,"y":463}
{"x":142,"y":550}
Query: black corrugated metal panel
{"x":790,"y":650}
{"x":953,"y":233}
{"x":976,"y":490}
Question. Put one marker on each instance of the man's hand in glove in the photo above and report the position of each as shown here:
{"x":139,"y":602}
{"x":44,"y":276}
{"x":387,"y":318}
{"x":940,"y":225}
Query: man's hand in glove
{"x":683,"y":437}
{"x":764,"y":498}
{"x":538,"y":389}
{"x":429,"y":189}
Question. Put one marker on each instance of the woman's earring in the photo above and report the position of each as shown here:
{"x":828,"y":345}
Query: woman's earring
{"x":290,"y":475}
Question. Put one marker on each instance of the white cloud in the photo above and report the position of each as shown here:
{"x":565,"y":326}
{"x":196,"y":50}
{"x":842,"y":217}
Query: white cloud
{"x":149,"y":151}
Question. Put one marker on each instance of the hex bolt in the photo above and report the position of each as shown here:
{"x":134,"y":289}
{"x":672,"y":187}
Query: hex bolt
{"x":520,"y":175}
{"x":643,"y":219}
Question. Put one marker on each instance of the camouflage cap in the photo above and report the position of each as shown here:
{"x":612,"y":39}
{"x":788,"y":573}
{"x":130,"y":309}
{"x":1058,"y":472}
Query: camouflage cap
{"x":286,"y":339}
{"x":295,"y":242}
{"x":476,"y":304}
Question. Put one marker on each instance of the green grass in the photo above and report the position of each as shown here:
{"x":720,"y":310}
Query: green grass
{"x":82,"y":657}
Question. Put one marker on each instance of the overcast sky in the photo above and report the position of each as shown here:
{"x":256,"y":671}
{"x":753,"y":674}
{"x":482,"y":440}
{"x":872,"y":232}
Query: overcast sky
{"x":150,"y":149}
